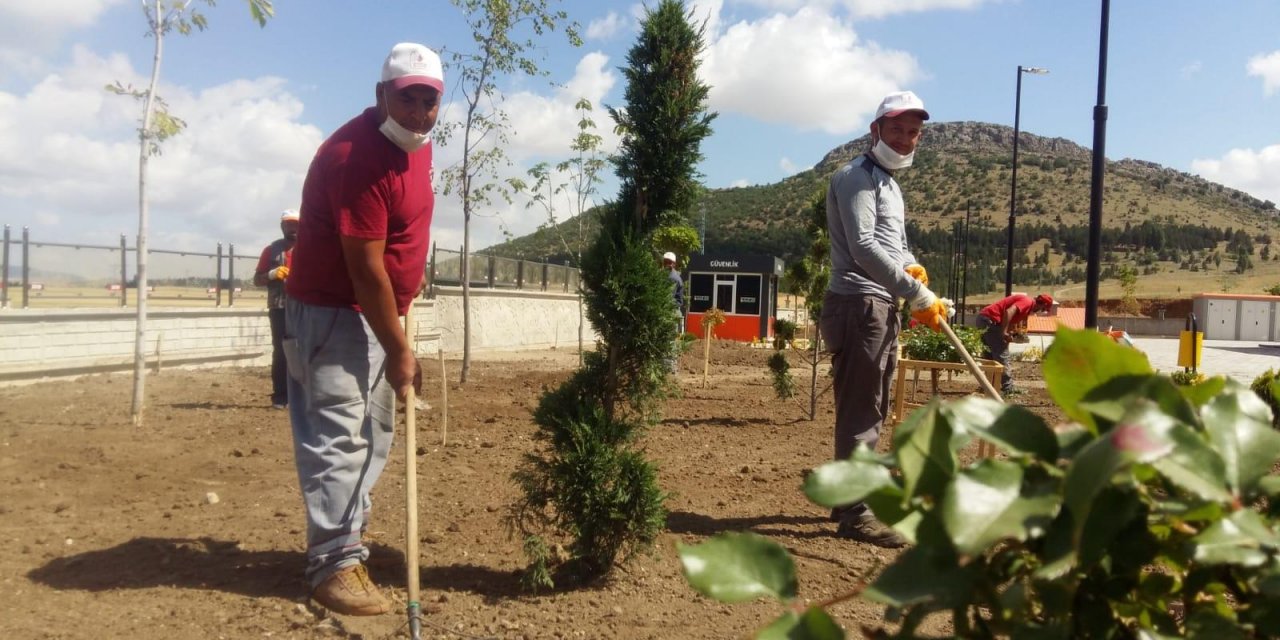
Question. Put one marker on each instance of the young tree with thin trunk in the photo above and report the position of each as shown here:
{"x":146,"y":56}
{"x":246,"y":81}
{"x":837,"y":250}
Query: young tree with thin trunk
{"x":157,"y":126}
{"x":503,"y":31}
{"x":583,"y":174}
{"x":592,"y":483}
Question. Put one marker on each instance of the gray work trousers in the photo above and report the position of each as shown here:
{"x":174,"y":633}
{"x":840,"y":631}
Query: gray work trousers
{"x":997,"y":349}
{"x":342,"y":410}
{"x":861,"y":333}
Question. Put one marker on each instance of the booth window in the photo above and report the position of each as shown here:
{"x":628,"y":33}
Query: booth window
{"x":701,"y":288}
{"x":736,"y":293}
{"x":748,"y":302}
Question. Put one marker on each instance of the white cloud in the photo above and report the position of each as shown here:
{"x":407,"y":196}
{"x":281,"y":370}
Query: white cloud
{"x":871,"y":8}
{"x":1268,"y":68}
{"x":53,"y":14}
{"x":808,"y":70}
{"x":706,"y":12}
{"x":1192,"y":68}
{"x":69,"y":158}
{"x":29,"y":30}
{"x":788,"y":167}
{"x":739,"y":183}
{"x":881,"y":8}
{"x":604,"y":28}
{"x":1254,"y":172}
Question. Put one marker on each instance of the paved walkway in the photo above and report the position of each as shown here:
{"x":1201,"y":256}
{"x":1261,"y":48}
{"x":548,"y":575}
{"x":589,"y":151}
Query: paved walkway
{"x":1242,"y":360}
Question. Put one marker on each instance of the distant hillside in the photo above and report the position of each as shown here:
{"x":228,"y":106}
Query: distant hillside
{"x":1156,"y":219}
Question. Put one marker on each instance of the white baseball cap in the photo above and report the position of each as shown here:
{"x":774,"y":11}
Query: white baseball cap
{"x":290,"y":214}
{"x":409,"y":64}
{"x":669,"y":256}
{"x":899,"y":102}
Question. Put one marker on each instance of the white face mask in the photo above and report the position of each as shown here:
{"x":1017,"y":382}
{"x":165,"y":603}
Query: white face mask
{"x":408,"y":140}
{"x":890,"y":159}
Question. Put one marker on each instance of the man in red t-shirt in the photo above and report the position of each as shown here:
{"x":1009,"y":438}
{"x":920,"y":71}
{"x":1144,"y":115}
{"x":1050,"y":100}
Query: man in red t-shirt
{"x":999,"y":318}
{"x":359,"y":261}
{"x":272,"y":271}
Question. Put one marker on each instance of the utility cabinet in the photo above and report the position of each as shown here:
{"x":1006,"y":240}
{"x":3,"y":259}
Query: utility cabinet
{"x":1227,"y":316}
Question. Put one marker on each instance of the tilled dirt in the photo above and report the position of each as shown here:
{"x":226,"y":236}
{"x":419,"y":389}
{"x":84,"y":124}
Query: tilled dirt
{"x":191,"y":526}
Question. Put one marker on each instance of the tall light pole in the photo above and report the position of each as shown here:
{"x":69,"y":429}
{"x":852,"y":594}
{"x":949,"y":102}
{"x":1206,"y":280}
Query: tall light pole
{"x":1095,"y":185}
{"x":1013,"y":188}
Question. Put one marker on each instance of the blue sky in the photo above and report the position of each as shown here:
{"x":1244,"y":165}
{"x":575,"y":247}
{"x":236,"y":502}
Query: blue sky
{"x":1191,"y":85}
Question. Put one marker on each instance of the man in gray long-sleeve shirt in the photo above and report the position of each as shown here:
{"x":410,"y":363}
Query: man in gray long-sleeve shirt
{"x":869,"y":257}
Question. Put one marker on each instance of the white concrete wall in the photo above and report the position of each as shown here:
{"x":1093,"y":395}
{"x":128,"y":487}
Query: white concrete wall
{"x":37,"y":343}
{"x":505,"y":319}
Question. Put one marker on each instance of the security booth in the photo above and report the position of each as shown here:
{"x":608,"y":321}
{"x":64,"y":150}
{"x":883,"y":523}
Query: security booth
{"x":744,"y":287}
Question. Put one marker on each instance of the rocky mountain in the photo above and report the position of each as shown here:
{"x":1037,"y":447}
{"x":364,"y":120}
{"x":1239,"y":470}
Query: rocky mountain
{"x":965,"y":167}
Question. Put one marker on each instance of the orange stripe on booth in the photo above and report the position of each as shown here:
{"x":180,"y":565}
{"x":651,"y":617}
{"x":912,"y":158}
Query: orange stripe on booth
{"x":740,"y":328}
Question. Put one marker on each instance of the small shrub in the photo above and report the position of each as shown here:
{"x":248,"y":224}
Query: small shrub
{"x":1268,"y":388}
{"x":685,"y":342}
{"x":784,"y":331}
{"x":1186,"y":378}
{"x":1030,"y":354}
{"x":783,"y":384}
{"x":1152,"y":515}
{"x":922,"y":343}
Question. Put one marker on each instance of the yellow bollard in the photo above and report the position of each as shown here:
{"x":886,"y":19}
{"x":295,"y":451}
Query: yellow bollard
{"x":1190,"y":346}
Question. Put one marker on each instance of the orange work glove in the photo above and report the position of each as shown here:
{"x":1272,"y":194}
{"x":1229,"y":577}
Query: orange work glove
{"x":932,"y":316}
{"x":278,"y":273}
{"x":917,"y":271}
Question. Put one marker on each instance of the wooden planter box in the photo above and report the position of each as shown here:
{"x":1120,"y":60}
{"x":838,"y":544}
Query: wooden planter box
{"x":903,"y":405}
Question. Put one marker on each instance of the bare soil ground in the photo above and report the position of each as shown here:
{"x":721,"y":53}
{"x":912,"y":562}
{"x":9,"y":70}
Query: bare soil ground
{"x":113,"y":531}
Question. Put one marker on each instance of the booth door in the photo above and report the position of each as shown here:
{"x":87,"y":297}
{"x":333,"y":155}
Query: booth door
{"x":725,"y":286}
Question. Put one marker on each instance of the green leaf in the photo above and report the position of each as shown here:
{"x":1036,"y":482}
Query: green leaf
{"x":1036,"y":632}
{"x":1059,"y":552}
{"x":890,"y":507}
{"x":1141,"y":435}
{"x":1200,"y":394}
{"x":1270,"y":486}
{"x":926,"y":455}
{"x":985,"y":505}
{"x":1206,"y":624}
{"x":1081,"y":360}
{"x":1269,"y":582}
{"x":845,"y":482}
{"x":1239,"y":426}
{"x":1071,"y":438}
{"x":1010,"y":427}
{"x":928,"y":572}
{"x":814,"y":624}
{"x":735,"y":567}
{"x":1237,"y":540}
{"x":1113,"y":510}
{"x":261,"y":10}
{"x":1112,"y":399}
{"x":1194,"y":465}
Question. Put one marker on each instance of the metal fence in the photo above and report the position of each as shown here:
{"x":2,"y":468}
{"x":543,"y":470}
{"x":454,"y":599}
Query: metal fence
{"x":497,"y":272}
{"x":47,"y":274}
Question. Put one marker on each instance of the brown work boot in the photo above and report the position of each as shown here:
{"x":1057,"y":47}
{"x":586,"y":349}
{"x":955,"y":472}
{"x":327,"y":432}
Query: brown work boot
{"x":867,"y":528}
{"x":351,"y":592}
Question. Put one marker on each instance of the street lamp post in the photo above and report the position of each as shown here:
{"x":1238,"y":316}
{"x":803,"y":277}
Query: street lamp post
{"x":1013,"y":189}
{"x":1095,"y":184}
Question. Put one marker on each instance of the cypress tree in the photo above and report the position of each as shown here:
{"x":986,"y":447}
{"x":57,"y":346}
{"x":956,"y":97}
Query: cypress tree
{"x":591,"y":484}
